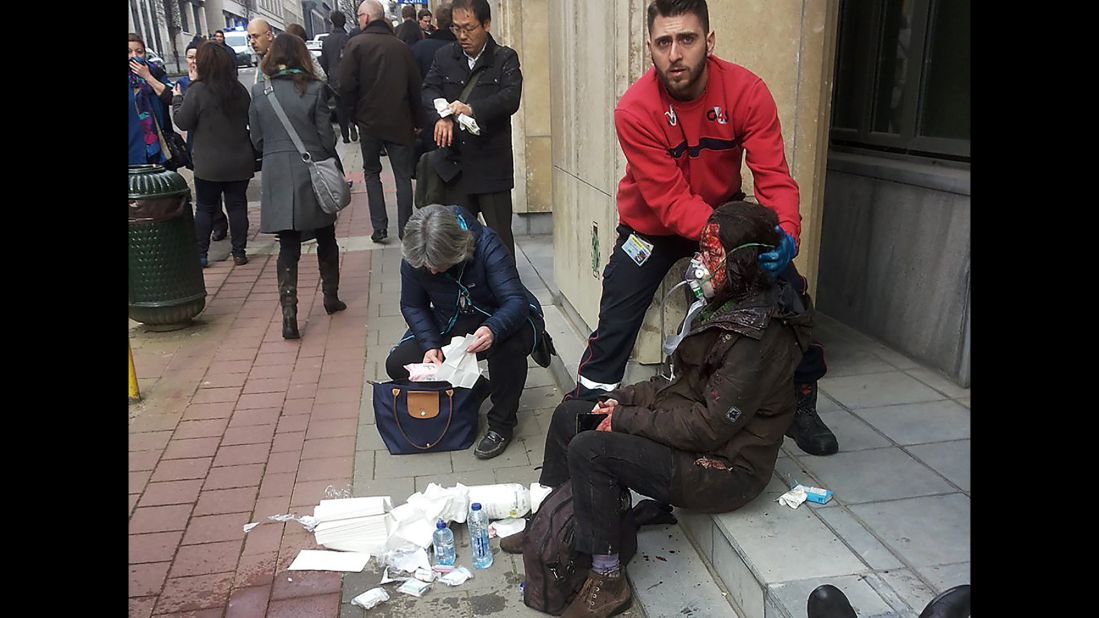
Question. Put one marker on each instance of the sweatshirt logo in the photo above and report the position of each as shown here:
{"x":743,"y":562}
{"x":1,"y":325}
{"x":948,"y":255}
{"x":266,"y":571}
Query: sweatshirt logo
{"x":671,"y":116}
{"x":716,"y":114}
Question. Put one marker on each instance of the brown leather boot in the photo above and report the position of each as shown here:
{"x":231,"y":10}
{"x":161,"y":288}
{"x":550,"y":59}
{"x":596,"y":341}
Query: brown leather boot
{"x":513,"y":544}
{"x":601,"y":596}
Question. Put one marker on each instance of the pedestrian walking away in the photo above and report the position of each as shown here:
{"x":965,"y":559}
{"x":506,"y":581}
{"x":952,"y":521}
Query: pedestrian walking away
{"x":483,"y":186}
{"x":381,"y":85}
{"x":288,"y":205}
{"x":331,"y":55}
{"x":214,"y":111}
{"x":684,"y":127}
{"x":220,"y":223}
{"x":409,"y":31}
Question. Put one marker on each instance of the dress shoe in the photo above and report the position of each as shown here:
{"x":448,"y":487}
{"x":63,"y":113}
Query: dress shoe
{"x":491,"y":445}
{"x":379,"y":236}
{"x":240,"y":260}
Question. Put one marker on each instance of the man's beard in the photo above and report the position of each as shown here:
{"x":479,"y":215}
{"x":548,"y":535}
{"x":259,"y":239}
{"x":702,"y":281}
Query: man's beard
{"x":680,"y":90}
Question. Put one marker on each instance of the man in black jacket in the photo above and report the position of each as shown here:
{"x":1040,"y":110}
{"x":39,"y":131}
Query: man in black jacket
{"x":331,"y":54}
{"x":381,"y":85}
{"x":409,"y":31}
{"x":424,"y":53}
{"x":486,"y":178}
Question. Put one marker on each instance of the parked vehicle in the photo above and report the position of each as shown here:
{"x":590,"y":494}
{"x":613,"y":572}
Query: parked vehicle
{"x":238,"y":40}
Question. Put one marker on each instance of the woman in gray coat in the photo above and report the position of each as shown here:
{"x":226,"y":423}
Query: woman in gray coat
{"x":215,"y":112}
{"x":288,"y":205}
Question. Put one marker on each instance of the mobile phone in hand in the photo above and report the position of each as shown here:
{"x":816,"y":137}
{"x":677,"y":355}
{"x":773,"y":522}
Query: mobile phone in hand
{"x":588,"y":422}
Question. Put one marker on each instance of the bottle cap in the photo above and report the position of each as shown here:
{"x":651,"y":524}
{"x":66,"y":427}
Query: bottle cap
{"x":476,"y":506}
{"x":440,"y":524}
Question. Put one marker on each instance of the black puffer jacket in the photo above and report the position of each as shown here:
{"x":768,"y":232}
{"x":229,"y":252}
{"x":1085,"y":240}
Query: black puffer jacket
{"x":486,"y":159}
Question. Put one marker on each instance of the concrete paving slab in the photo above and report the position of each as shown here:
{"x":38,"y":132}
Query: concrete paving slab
{"x":946,"y":576}
{"x":878,"y":389}
{"x":852,"y":433}
{"x":924,"y":531}
{"x":417,"y":464}
{"x":859,"y":539}
{"x":781,"y":544}
{"x":670,"y":579}
{"x":878,"y":474}
{"x":910,"y":590}
{"x":950,"y":459}
{"x":938,"y":382}
{"x":918,"y":423}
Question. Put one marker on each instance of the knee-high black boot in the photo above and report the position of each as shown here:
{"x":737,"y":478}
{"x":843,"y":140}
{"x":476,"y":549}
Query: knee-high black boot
{"x":328,"y":259}
{"x":287,"y":270}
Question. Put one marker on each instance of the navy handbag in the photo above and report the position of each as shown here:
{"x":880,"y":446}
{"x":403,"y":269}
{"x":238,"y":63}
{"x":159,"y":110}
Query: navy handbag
{"x":427,"y":417}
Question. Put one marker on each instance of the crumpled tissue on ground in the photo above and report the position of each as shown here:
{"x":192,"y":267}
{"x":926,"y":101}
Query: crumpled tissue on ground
{"x":414,"y":587}
{"x":406,"y":559}
{"x":408,"y":524}
{"x":793,"y":498}
{"x":506,"y":527}
{"x":371,"y":598}
{"x":456,"y":577}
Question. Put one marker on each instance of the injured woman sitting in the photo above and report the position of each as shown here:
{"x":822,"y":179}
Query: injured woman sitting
{"x":705,"y":435}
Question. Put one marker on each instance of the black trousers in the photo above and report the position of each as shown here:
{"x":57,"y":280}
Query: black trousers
{"x":290,"y":245}
{"x":495,"y":207}
{"x":400,"y":158}
{"x":208,"y":196}
{"x":628,"y":291}
{"x":343,"y":116}
{"x":507,"y":369}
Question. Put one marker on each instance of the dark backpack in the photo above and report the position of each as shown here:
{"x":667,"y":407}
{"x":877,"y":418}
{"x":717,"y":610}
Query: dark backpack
{"x":555,"y":571}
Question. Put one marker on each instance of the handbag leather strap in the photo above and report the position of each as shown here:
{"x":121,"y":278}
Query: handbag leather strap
{"x":269,"y":90}
{"x":397,"y":417}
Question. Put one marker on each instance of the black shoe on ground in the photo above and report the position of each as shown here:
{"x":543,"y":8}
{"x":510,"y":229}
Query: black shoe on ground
{"x":354,"y":134}
{"x":379,"y":235}
{"x":346,"y":141}
{"x":219,"y":235}
{"x":808,"y":430}
{"x":827,"y":601}
{"x":491,"y":445}
{"x":240,"y":260}
{"x":953,"y":603}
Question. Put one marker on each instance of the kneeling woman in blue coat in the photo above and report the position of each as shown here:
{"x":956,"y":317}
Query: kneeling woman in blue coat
{"x":457,"y":278}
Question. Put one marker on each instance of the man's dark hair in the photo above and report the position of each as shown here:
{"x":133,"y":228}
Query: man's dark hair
{"x":480,"y":9}
{"x":192,"y":45}
{"x":221,"y":32}
{"x":423,"y":13}
{"x":741,"y":223}
{"x":338,"y":19}
{"x":408,"y":11}
{"x":671,"y":8}
{"x":297,"y":30}
{"x":443,"y":17}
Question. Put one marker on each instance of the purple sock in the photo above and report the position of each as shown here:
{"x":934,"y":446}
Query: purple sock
{"x":604,"y":563}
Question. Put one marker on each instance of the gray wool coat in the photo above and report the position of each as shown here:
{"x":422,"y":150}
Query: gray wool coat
{"x":287,"y":201}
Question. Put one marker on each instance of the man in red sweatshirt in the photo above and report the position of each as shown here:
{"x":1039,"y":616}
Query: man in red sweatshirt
{"x":684,"y":128}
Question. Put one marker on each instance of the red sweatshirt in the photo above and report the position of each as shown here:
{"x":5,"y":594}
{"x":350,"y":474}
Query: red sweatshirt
{"x":676,"y":175}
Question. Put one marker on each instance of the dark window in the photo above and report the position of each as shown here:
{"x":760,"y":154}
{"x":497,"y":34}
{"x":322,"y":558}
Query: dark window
{"x":183,"y":15}
{"x":903,"y":77}
{"x":198,"y":22}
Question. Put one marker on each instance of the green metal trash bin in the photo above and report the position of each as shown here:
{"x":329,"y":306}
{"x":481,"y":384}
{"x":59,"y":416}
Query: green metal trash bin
{"x":166,"y":288}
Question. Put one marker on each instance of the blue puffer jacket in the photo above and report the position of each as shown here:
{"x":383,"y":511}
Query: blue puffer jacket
{"x":429,"y":302}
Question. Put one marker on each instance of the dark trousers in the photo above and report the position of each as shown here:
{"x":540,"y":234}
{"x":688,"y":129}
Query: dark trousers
{"x":400,"y":158}
{"x":220,"y":222}
{"x":507,"y":369}
{"x":290,"y":245}
{"x":495,"y":207}
{"x":208,"y":196}
{"x":602,"y":466}
{"x":343,"y":116}
{"x":628,"y":291}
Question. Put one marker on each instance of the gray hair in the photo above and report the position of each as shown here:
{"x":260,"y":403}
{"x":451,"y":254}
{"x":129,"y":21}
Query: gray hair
{"x":373,"y":8}
{"x":433,"y":238}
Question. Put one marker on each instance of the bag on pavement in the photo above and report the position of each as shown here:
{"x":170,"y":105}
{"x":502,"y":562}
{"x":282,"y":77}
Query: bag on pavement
{"x":427,"y":417}
{"x":332,"y":191}
{"x":555,"y":571}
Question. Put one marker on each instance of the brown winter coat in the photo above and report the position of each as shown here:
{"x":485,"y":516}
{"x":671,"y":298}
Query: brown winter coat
{"x":729,"y":405}
{"x":380,"y":82}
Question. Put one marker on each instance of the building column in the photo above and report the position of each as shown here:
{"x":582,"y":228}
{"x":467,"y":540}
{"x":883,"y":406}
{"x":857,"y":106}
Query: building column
{"x":203,"y":23}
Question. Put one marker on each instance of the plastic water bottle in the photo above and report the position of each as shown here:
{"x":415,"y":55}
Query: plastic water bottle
{"x":443,"y":541}
{"x":478,"y":537}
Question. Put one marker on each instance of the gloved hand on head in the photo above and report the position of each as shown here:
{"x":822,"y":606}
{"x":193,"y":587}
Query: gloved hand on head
{"x":776,"y":260}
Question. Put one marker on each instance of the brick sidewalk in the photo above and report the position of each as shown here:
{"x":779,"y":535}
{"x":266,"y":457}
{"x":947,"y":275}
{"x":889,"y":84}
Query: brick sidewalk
{"x":237,"y":424}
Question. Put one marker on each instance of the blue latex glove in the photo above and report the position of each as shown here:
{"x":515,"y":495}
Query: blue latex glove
{"x":776,"y":260}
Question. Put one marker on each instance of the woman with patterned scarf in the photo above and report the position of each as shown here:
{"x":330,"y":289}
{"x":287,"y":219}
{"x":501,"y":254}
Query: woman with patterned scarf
{"x":150,"y":96}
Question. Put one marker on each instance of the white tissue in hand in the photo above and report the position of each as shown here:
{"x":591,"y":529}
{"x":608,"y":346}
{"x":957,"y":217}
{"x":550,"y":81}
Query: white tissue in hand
{"x":442,"y":106}
{"x":459,"y":367}
{"x":793,"y":498}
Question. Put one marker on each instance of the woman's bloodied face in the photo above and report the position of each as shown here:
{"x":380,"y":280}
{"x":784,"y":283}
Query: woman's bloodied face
{"x":712,"y":253}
